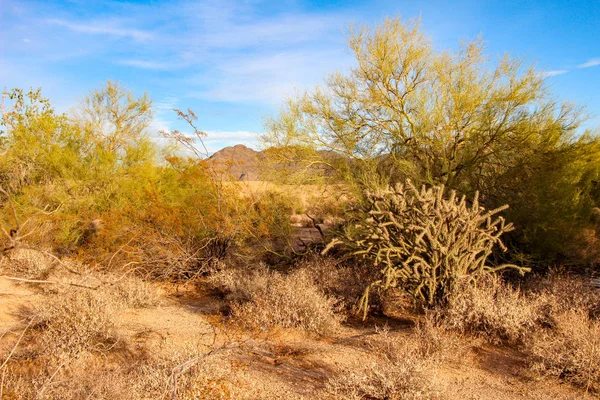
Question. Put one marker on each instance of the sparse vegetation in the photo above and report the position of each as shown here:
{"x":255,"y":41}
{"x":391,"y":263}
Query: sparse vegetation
{"x":403,"y":370}
{"x":74,"y":322}
{"x":494,"y":310}
{"x":133,"y":270}
{"x":570,"y":349}
{"x":262,"y":298}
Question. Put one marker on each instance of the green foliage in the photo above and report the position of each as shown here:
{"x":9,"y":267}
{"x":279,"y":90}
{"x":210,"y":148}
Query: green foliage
{"x":457,"y":119}
{"x":116,"y":204}
{"x":423,"y":242}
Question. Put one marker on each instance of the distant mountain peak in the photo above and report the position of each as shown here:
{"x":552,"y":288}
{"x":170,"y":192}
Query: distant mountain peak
{"x":239,"y":161}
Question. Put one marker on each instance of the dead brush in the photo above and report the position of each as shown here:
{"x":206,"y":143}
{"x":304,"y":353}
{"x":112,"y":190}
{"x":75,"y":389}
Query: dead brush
{"x":26,"y":263}
{"x":403,"y":369}
{"x":74,"y":322}
{"x":382,"y":380}
{"x":570,"y":350}
{"x":338,"y":279}
{"x":133,"y":292}
{"x":262,"y":298}
{"x":493,"y":310}
{"x":150,"y":377}
{"x":562,"y":292}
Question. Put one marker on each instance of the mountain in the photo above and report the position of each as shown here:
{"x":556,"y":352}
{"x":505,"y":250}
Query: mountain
{"x":239,"y":161}
{"x":242,"y":163}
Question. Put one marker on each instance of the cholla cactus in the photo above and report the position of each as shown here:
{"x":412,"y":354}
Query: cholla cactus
{"x":424,"y":242}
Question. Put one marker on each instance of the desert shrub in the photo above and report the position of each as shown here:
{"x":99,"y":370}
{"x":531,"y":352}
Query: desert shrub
{"x":562,"y":292}
{"x":26,"y":263}
{"x":403,"y":369}
{"x":149,"y":377}
{"x":570,"y":350}
{"x":73,"y":322}
{"x":133,"y":292}
{"x":424,"y":242}
{"x":214,"y":378}
{"x":494,"y":310}
{"x":267,"y":221}
{"x":385,"y":380}
{"x":337,"y":278}
{"x":264,"y":298}
{"x":553,"y":322}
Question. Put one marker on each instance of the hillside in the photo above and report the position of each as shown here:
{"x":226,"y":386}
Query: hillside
{"x":239,"y":161}
{"x":242,"y":163}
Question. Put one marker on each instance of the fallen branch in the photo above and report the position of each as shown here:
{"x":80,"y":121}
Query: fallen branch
{"x":13,"y":278}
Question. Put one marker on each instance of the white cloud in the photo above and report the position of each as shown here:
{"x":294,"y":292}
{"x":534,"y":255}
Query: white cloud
{"x":216,"y":140}
{"x":157,"y":125}
{"x":110,"y":28}
{"x":590,"y":63}
{"x":547,"y":74}
{"x":285,"y":30}
{"x":153,"y":65}
{"x":166,"y":104}
{"x":268,"y":78}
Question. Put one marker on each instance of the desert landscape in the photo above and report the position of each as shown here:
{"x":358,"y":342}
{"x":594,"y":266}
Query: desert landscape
{"x":424,"y":225}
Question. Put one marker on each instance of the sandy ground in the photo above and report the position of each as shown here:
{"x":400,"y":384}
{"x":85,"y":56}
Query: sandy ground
{"x":289,"y":364}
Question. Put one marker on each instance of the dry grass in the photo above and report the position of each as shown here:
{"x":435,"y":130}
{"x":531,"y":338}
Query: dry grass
{"x":73,"y":322}
{"x":385,"y":380}
{"x":337,"y":279}
{"x":553,"y":319}
{"x":404,"y":369}
{"x":139,"y":378}
{"x":262,"y":298}
{"x":25,"y":263}
{"x":570,"y":350}
{"x":493,"y":310}
{"x":562,"y":292}
{"x":133,"y":292}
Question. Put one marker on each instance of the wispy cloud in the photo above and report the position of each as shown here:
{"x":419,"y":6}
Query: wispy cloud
{"x":590,"y":63}
{"x":216,"y":140}
{"x":286,"y":30}
{"x":547,"y":74}
{"x":152,"y":65}
{"x":267,"y":78}
{"x":103,"y":28}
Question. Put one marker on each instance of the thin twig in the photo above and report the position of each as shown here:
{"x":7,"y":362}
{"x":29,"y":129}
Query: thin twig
{"x":43,"y":389}
{"x":16,"y":344}
{"x":12,"y":278}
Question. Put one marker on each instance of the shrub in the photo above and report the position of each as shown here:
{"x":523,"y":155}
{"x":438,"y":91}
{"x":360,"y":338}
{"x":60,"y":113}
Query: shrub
{"x":405,"y":379}
{"x":403,"y":369}
{"x":493,"y":310}
{"x":149,"y":377}
{"x":134,"y":292}
{"x":27,"y":263}
{"x":562,"y":292}
{"x":73,"y":322}
{"x":571,"y":350}
{"x":423,"y":242}
{"x":337,"y":278}
{"x":265,"y":298}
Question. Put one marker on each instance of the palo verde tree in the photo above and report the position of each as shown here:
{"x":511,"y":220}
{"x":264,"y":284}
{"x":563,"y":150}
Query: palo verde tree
{"x":452,"y":118}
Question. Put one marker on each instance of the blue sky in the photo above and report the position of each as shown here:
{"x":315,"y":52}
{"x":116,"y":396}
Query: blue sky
{"x":233,"y":62}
